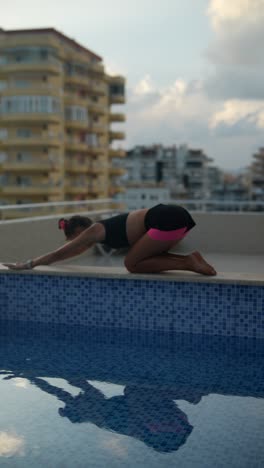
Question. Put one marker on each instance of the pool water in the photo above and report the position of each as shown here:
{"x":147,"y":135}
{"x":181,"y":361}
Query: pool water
{"x":78,"y":398}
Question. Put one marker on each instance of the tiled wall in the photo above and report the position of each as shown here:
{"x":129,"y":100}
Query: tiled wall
{"x":200,"y":308}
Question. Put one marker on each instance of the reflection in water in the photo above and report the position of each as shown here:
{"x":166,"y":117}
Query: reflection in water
{"x":154,"y":378}
{"x":148,"y":414}
{"x":11,"y":444}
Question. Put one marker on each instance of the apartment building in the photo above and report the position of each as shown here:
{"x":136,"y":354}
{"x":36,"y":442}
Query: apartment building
{"x":186,"y":172}
{"x":56,"y":135}
{"x":154,"y":163}
{"x":145,"y":195}
{"x":196,"y":174}
{"x":256,"y":176}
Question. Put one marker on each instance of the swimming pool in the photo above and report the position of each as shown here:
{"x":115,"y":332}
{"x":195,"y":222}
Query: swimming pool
{"x":75,"y":396}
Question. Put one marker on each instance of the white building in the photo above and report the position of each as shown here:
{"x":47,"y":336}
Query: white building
{"x":139,"y":196}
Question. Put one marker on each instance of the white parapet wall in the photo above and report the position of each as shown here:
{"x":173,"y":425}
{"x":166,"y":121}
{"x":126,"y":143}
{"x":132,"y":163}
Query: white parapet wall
{"x":234,"y":233}
{"x":27,"y":238}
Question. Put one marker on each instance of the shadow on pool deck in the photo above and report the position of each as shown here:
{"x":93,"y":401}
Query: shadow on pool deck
{"x":236,"y":263}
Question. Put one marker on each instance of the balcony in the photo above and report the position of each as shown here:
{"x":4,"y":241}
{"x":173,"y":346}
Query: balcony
{"x":33,"y":88}
{"x":96,"y":189}
{"x":117,"y":171}
{"x":76,"y":145}
{"x":114,"y":189}
{"x":97,"y":89}
{"x":72,"y":189}
{"x":98,"y":128}
{"x":117,"y":99}
{"x":51,"y":66}
{"x":97,"y":168}
{"x":96,"y":150}
{"x":34,"y":141}
{"x":97,"y":109}
{"x":77,"y":80}
{"x":76,"y":124}
{"x":116,"y":153}
{"x":30,"y":190}
{"x":44,"y":40}
{"x":75,"y":167}
{"x":35,"y":165}
{"x":117,"y":135}
{"x":75,"y":99}
{"x":96,"y":69}
{"x":117,"y":117}
{"x":14,"y":118}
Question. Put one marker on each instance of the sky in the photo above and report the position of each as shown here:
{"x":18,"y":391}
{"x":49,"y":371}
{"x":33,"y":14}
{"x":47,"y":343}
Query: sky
{"x":193,"y":68}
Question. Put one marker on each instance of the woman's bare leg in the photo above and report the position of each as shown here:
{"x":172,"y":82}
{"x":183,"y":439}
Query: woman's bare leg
{"x":151,"y":256}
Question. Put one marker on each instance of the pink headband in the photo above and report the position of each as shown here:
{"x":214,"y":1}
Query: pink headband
{"x":62,"y":224}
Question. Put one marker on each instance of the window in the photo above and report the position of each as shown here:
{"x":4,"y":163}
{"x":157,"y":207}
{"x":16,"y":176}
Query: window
{"x":3,"y":133}
{"x":23,"y":132}
{"x":76,"y":113}
{"x":44,"y":54}
{"x":24,"y":104}
{"x":22,"y":83}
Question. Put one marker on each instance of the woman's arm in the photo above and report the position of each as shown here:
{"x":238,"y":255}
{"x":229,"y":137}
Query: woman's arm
{"x":83,"y":242}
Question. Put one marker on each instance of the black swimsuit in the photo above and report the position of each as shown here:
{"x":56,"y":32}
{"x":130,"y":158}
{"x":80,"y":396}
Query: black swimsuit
{"x":115,"y":231}
{"x":162,"y":217}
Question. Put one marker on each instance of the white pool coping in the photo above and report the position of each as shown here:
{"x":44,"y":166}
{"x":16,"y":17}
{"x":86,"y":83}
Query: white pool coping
{"x":117,"y":272}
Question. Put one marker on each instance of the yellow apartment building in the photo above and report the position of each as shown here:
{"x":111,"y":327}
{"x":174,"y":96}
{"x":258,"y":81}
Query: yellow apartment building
{"x":56,"y":120}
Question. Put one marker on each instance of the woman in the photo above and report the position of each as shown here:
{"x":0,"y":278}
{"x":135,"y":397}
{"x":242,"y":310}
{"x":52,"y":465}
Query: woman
{"x":148,"y":233}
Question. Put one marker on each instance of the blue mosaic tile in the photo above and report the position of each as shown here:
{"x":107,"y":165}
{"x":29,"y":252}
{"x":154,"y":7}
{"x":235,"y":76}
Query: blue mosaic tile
{"x":197,"y":308}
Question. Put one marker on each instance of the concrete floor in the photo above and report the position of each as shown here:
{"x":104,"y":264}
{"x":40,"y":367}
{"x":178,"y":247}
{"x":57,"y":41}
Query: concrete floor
{"x":222,"y":262}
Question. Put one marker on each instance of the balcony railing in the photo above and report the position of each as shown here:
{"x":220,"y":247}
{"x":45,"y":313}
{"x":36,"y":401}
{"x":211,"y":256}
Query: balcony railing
{"x":32,"y":87}
{"x":117,"y":117}
{"x":50,"y":65}
{"x":30,"y":117}
{"x":96,"y":68}
{"x":55,"y":209}
{"x":75,"y":123}
{"x":33,"y":189}
{"x":77,"y":79}
{"x":114,"y":135}
{"x":116,"y":153}
{"x":98,"y":128}
{"x":73,"y":144}
{"x":97,"y":108}
{"x":75,"y":166}
{"x":98,"y":89}
{"x":117,"y":99}
{"x":36,"y":140}
{"x":32,"y":165}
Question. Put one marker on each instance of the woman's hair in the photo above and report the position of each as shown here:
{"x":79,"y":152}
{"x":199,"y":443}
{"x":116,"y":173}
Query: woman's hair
{"x":69,"y":225}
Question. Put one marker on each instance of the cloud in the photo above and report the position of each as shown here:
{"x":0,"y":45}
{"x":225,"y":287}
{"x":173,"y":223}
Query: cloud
{"x":20,"y":382}
{"x":233,"y":112}
{"x":236,"y":53}
{"x":231,"y":82}
{"x":11,"y":444}
{"x":226,"y":11}
{"x":228,"y":130}
{"x":145,"y":86}
{"x":173,"y":113}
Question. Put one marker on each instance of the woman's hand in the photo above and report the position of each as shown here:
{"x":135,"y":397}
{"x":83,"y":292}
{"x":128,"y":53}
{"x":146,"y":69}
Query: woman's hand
{"x":19,"y":265}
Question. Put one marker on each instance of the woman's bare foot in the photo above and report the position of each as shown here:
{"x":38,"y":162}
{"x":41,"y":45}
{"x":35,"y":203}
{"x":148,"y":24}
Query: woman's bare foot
{"x":199,"y":265}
